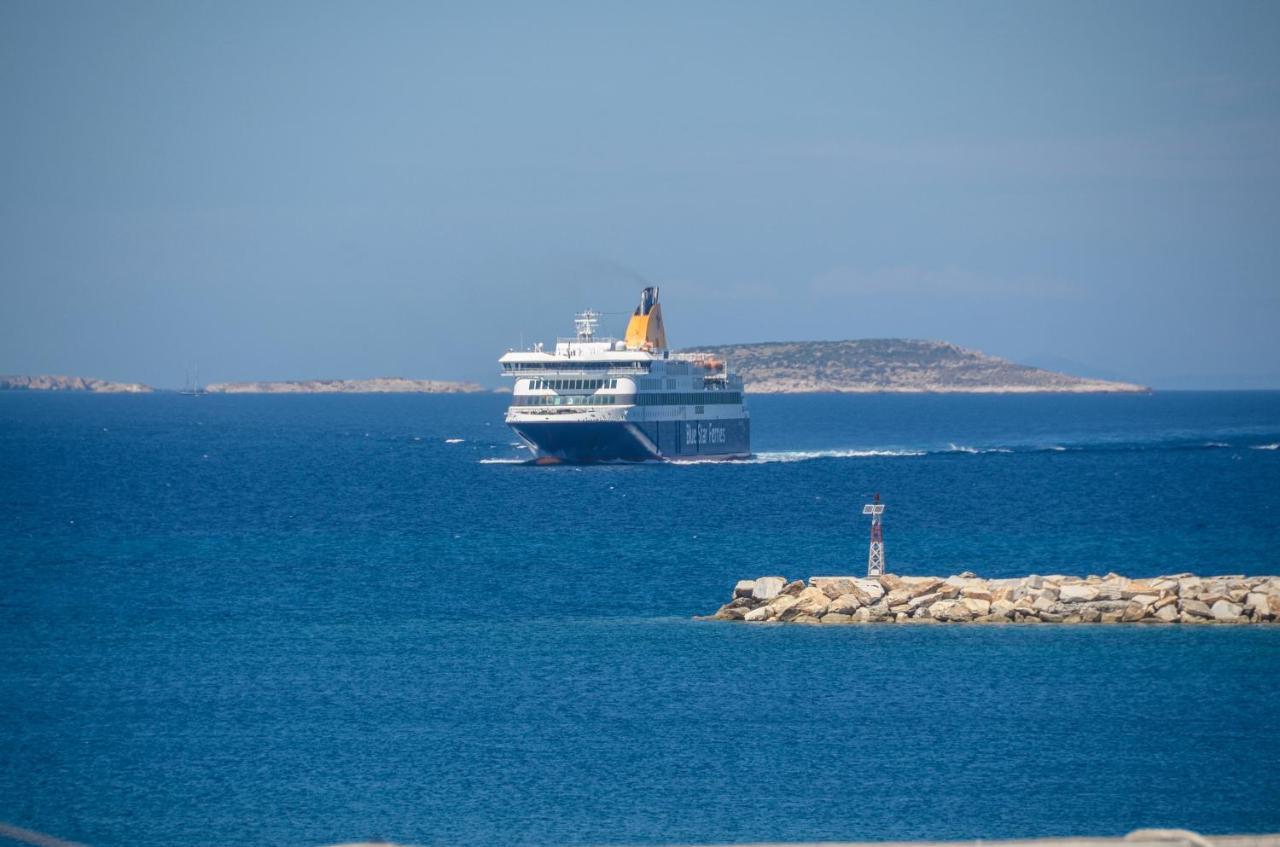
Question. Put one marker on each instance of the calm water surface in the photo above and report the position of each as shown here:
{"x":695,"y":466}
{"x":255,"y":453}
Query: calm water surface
{"x":298,"y":620}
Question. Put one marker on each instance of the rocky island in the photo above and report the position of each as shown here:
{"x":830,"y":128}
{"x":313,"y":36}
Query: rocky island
{"x":380,"y":385}
{"x":964,"y":598}
{"x":893,"y":365}
{"x":71,"y":383}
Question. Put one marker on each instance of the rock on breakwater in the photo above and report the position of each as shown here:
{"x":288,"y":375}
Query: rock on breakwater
{"x":966,"y":598}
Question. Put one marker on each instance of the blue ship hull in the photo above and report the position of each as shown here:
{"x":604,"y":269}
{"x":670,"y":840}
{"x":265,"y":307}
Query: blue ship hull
{"x":625,"y":441}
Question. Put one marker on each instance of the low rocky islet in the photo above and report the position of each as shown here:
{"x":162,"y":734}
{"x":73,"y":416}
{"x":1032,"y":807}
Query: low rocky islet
{"x":1182,"y":598}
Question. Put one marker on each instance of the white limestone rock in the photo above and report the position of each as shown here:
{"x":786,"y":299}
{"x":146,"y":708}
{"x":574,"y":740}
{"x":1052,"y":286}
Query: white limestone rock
{"x":923,"y":601}
{"x":845,"y":604}
{"x":833,"y":586}
{"x":1259,"y":605}
{"x":1135,"y":611}
{"x":868,"y":591}
{"x":950,"y":610}
{"x":1227,"y":612}
{"x":897,"y":597}
{"x":1077,"y":594}
{"x":1194,"y":609}
{"x":917,"y":585}
{"x":767,"y":587}
{"x":1003,"y":608}
{"x":780,"y":604}
{"x":1111,"y":590}
{"x":1043,"y":603}
{"x":729,"y":612}
{"x":812,"y":601}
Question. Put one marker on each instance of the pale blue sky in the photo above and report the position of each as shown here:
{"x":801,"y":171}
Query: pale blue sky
{"x":294,"y":190}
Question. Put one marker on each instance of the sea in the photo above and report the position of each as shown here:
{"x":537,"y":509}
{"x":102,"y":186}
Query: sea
{"x":302,"y":620}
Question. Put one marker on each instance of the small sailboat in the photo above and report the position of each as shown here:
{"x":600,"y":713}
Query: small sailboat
{"x":191,"y":387}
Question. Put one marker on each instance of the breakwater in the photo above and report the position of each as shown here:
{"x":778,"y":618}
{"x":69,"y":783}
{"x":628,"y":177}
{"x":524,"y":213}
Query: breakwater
{"x":965,"y":598}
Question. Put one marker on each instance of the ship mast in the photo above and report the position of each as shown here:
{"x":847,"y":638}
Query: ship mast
{"x":585,"y":323}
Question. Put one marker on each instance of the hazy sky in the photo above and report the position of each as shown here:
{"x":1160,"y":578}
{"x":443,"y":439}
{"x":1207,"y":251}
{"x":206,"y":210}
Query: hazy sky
{"x":280,"y":190}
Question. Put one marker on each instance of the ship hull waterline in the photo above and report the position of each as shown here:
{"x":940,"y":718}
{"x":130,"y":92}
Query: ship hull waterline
{"x":592,"y":442}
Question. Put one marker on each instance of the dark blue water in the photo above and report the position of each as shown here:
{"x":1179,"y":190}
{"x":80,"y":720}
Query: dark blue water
{"x":296,"y":620}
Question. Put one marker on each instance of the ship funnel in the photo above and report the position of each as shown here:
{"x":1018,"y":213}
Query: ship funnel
{"x":648,"y":299}
{"x":645,"y":330}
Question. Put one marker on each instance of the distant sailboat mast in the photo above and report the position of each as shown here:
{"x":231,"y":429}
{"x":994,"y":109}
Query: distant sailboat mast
{"x":192,"y":388}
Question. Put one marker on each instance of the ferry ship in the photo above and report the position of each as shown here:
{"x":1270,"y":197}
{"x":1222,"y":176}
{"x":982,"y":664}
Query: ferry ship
{"x":630,"y":399}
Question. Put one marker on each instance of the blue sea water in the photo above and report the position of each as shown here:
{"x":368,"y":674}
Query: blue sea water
{"x":299,"y":620}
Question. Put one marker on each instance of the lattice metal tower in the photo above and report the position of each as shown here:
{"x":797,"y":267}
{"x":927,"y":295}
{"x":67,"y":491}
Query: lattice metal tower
{"x":875,"y":556}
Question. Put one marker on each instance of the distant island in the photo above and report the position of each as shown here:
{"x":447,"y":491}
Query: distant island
{"x":773,"y":367}
{"x":71,"y":383}
{"x":892,"y":365}
{"x":379,"y":385}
